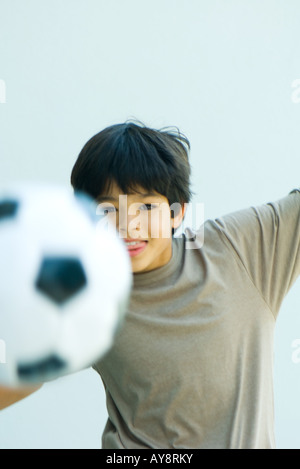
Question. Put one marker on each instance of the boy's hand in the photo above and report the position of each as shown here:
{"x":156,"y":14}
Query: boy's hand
{"x":9,"y":396}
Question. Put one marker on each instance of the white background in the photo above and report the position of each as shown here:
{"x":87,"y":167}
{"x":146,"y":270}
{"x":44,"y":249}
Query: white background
{"x":220,"y":70}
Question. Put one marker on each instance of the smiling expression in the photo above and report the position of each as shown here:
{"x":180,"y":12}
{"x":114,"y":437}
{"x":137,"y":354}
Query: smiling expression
{"x":143,"y":220}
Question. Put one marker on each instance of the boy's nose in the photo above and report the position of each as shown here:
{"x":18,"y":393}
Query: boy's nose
{"x":129,"y":227}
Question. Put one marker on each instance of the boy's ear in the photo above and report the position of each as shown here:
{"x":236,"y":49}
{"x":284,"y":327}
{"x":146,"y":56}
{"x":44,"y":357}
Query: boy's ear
{"x":179,"y":216}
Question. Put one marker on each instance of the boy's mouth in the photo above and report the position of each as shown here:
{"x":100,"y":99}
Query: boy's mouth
{"x":135,"y":247}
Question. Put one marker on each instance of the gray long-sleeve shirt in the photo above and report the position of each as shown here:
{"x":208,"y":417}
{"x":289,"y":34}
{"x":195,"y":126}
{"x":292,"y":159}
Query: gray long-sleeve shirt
{"x":192,"y":366}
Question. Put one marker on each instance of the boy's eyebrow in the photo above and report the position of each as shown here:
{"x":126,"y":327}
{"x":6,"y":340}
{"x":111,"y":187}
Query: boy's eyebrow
{"x":108,"y":197}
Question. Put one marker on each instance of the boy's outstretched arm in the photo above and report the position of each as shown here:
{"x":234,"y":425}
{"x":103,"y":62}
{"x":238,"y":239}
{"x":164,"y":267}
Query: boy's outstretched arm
{"x":9,"y":396}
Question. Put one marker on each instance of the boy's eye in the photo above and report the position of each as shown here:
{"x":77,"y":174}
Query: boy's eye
{"x":147,"y":207}
{"x":106,"y":210}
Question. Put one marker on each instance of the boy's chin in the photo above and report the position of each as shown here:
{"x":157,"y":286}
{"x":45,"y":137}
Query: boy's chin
{"x":138,"y":266}
{"x":136,"y":269}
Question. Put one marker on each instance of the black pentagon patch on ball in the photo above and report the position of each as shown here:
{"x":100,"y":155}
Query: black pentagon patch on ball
{"x":42,"y":369}
{"x":61,"y":278}
{"x":8,"y":209}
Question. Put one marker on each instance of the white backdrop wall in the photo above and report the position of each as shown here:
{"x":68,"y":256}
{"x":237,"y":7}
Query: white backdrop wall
{"x":224,"y":72}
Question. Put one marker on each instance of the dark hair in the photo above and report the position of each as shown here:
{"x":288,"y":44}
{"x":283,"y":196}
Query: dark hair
{"x":133,"y":155}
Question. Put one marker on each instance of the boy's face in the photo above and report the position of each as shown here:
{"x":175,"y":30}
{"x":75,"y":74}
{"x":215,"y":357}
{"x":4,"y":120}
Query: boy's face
{"x":144,"y":222}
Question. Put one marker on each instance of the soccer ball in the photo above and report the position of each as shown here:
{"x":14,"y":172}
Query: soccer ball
{"x":65,"y":282}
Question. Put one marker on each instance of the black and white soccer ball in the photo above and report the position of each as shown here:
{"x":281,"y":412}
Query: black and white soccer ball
{"x":65,"y":284}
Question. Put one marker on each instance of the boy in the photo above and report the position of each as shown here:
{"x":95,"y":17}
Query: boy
{"x":192,"y":365}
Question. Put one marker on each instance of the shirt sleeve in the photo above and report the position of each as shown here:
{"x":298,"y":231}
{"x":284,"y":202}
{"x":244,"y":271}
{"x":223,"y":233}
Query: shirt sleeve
{"x":266,"y":239}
